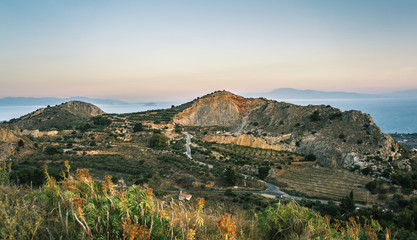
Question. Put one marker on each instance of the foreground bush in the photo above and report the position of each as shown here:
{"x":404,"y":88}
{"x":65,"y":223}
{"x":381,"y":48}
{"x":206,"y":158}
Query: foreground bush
{"x":291,"y":221}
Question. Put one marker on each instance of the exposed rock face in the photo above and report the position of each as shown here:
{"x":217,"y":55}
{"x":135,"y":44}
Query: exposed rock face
{"x":37,"y":133}
{"x":61,"y":117}
{"x":220,"y":108}
{"x":8,"y":133}
{"x":336,"y":138}
{"x":8,"y":140}
{"x":78,"y":107}
{"x":248,"y":140}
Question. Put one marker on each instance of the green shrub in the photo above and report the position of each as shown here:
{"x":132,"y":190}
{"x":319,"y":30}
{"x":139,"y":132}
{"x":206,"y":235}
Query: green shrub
{"x":310,"y":157}
{"x":291,"y":221}
{"x":371,"y":186}
{"x":315,"y":116}
{"x":102,"y":121}
{"x":230,"y":176}
{"x":263,"y":172}
{"x":336,"y":115}
{"x":138,"y":127}
{"x":347,"y":204}
{"x":367,"y":171}
{"x":158,"y":141}
{"x":50,"y":150}
{"x":84,"y":127}
{"x":178,"y":128}
{"x":229,"y":192}
{"x":20,"y":143}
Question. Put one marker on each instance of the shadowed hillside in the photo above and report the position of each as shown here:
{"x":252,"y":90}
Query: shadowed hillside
{"x":63,"y":116}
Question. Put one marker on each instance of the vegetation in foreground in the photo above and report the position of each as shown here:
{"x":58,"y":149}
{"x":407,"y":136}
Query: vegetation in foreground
{"x":78,"y":207}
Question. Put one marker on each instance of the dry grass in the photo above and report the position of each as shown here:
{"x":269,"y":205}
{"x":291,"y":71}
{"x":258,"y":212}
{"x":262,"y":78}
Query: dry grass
{"x":80,"y":208}
{"x":190,"y":215}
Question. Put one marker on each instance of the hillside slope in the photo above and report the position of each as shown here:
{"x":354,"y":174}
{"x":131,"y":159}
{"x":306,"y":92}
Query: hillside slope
{"x":336,"y":138}
{"x":62,"y":116}
{"x":9,"y":136}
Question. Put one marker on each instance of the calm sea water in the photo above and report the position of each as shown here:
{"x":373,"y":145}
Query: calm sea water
{"x":391,"y":115}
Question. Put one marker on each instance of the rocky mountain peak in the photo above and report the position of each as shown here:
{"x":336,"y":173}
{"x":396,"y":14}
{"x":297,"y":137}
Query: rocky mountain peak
{"x":221,"y":108}
{"x":336,"y":138}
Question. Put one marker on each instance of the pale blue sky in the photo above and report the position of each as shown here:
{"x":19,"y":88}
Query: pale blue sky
{"x":175,"y":49}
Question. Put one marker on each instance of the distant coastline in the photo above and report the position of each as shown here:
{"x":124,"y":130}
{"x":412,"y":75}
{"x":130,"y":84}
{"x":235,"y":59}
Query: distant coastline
{"x":394,"y":112}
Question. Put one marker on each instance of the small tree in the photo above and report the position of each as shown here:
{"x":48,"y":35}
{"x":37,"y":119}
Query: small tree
{"x":310,"y":157}
{"x":158,"y":141}
{"x":50,"y":150}
{"x":178,"y":128}
{"x":138,"y":127}
{"x":315,"y":116}
{"x":20,"y":143}
{"x":85,"y":127}
{"x":263,"y":172}
{"x":100,"y":120}
{"x":230,"y":176}
{"x":347,"y":204}
{"x":367,"y":171}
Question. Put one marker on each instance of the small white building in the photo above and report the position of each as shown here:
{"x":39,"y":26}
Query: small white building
{"x":184,"y":196}
{"x":121,"y":183}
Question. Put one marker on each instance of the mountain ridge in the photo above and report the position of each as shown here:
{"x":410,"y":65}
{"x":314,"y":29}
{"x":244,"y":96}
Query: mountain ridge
{"x":336,"y":138}
{"x":65,"y":115}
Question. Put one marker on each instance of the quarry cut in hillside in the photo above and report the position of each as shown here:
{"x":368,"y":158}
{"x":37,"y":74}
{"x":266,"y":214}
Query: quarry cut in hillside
{"x":61,"y":116}
{"x":336,"y":138}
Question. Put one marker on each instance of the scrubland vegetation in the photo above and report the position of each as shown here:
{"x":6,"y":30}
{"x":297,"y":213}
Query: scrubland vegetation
{"x":79,"y":207}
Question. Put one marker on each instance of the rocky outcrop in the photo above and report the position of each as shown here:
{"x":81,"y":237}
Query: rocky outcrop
{"x":248,"y":140}
{"x":221,"y":108}
{"x":82,"y":108}
{"x":37,"y":133}
{"x":8,"y":133}
{"x":8,"y":140}
{"x":336,"y":138}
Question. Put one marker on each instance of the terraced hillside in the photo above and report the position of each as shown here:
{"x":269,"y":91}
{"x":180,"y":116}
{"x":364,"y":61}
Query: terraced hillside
{"x":158,"y":115}
{"x":324,"y":182}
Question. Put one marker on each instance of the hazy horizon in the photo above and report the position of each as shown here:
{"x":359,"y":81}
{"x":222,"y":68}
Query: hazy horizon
{"x":180,"y":50}
{"x":392,"y":113}
{"x":191,"y":96}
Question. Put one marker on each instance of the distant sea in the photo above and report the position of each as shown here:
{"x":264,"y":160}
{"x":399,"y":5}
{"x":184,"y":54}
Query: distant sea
{"x":390,"y":114}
